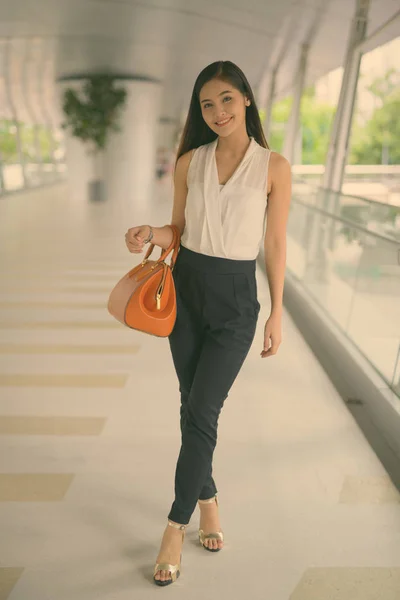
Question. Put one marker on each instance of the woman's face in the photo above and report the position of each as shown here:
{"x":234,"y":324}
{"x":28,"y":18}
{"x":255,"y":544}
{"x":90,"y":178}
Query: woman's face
{"x":220,"y":102}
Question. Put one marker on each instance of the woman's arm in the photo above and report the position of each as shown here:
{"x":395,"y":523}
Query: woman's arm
{"x":162,"y":236}
{"x":275,"y":249}
{"x":275,"y":234}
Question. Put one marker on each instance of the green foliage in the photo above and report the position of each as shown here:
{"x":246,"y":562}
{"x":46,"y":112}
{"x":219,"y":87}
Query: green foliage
{"x":34,"y":139}
{"x":382,"y":87}
{"x":8,"y":142}
{"x":279,"y":119}
{"x":381,"y":131}
{"x":92,"y":117}
{"x":316,"y":122}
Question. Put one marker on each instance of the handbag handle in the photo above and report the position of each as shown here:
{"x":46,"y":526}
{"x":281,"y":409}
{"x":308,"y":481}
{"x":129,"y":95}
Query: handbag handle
{"x":174,"y":245}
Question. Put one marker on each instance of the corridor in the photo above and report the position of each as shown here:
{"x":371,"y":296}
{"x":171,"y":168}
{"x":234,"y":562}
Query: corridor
{"x":89,"y":433}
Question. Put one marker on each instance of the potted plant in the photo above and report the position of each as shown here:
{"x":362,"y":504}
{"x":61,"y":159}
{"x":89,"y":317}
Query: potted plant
{"x":90,"y":116}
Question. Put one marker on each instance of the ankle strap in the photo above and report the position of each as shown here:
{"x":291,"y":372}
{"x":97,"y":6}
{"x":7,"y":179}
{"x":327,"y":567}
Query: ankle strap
{"x":181,"y":527}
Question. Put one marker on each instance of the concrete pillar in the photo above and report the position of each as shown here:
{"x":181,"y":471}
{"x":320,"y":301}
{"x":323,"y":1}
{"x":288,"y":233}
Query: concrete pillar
{"x":292,"y":128}
{"x":127,"y":165}
{"x":265,"y":99}
{"x":338,"y":143}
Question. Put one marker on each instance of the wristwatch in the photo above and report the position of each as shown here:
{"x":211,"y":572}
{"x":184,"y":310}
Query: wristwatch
{"x":150,"y":236}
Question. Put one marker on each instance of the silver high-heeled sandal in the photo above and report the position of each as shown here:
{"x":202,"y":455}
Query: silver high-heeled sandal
{"x":175,"y":570}
{"x":218,"y":535}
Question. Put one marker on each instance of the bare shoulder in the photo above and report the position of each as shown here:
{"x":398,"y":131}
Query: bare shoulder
{"x":182,"y":165}
{"x":278,"y":163}
{"x":185,"y":158}
{"x":279,"y":167}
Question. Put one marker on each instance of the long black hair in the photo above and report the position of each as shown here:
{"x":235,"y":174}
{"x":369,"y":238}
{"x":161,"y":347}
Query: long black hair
{"x":196,"y":132}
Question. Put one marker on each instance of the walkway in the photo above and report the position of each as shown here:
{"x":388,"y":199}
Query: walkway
{"x":89,"y":436}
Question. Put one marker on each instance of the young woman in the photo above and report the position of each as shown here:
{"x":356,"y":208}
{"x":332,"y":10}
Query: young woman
{"x":227,"y":182}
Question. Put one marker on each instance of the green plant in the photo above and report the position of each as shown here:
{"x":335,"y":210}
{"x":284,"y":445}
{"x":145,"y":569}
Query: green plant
{"x":92,"y":114}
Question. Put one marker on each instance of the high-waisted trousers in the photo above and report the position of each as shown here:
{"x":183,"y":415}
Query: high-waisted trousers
{"x":217,"y":313}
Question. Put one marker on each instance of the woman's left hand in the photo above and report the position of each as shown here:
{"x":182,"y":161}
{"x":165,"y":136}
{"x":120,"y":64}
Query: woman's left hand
{"x":273,"y":332}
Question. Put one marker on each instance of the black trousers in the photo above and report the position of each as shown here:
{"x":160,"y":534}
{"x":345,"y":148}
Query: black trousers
{"x":217,"y":312}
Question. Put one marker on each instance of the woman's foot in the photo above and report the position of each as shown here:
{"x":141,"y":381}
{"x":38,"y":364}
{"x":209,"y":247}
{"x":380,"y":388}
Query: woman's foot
{"x":170,"y":550}
{"x":209,"y":523}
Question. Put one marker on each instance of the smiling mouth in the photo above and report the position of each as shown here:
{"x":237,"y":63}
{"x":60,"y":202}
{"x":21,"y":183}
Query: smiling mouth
{"x":223,"y":123}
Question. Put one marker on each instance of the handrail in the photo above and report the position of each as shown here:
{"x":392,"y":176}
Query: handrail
{"x":367,"y":200}
{"x":347,"y":222}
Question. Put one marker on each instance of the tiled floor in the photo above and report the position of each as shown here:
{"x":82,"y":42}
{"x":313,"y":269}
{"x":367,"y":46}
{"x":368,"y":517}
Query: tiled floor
{"x":89,"y":436}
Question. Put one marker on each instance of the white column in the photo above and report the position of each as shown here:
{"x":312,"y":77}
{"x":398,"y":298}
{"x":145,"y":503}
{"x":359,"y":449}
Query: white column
{"x":130,"y":155}
{"x":79,"y":163}
{"x":338,"y":143}
{"x":294,"y":118}
{"x":265,"y":99}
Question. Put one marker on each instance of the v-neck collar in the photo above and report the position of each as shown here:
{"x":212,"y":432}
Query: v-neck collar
{"x":214,"y":195}
{"x":250,"y":149}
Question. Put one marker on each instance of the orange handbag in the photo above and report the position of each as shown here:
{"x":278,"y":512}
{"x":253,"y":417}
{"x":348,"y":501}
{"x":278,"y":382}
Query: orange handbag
{"x":145,"y":298}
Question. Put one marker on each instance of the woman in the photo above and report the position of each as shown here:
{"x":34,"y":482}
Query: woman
{"x":226,"y":182}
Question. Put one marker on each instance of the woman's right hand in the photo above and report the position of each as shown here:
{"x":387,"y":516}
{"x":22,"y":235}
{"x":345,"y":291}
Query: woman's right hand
{"x":135,"y":236}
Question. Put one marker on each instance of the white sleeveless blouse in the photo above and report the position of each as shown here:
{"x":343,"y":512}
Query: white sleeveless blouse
{"x":226,"y":220}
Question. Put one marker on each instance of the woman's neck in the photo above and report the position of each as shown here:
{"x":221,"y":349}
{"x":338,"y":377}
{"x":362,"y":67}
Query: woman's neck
{"x":233,"y":145}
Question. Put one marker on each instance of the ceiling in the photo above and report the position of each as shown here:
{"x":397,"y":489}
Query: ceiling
{"x":170,"y":41}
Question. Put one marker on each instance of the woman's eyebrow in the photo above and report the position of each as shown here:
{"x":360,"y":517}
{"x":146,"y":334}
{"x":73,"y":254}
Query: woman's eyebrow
{"x":220,"y":94}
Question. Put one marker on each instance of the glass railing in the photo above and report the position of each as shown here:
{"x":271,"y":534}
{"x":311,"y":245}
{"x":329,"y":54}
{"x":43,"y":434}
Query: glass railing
{"x":36,"y":175}
{"x":375,"y":216}
{"x":396,"y":376}
{"x":379,"y":183}
{"x":346,"y":252}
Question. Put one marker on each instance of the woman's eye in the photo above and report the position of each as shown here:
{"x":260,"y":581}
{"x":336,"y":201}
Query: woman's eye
{"x":225,"y":97}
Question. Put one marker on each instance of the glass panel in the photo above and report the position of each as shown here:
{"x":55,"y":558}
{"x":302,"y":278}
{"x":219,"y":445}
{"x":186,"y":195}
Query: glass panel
{"x":328,"y":270}
{"x":353,"y":274}
{"x":13,"y":176}
{"x":30,"y":153}
{"x":374,"y":324}
{"x":396,"y":375}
